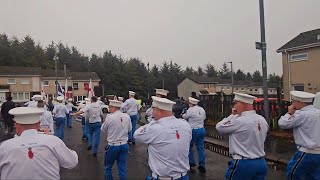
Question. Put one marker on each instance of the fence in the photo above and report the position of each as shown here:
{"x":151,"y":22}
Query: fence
{"x":218,"y":108}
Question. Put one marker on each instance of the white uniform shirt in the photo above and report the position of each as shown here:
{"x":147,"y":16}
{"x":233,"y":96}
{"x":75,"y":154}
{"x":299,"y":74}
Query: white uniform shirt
{"x":130,"y":106}
{"x":42,"y":161}
{"x":169,"y":140}
{"x":149,"y":114}
{"x":70,"y":106}
{"x":195,"y":116}
{"x":33,"y":104}
{"x":60,"y":110}
{"x":46,"y":121}
{"x":306,"y":126}
{"x":117,"y":126}
{"x":93,"y":112}
{"x":247,"y":133}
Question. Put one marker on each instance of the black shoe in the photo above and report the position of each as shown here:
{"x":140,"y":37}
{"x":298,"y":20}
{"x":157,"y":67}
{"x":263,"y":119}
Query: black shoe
{"x":89,"y":147}
{"x":192,"y":165}
{"x":84,"y":137}
{"x":70,"y":126}
{"x":129,"y":141}
{"x":94,"y":154}
{"x":202,"y":169}
{"x":133,"y":143}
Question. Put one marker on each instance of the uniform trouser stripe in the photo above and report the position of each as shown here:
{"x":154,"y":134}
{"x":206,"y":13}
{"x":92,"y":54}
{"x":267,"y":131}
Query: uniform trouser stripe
{"x":234,"y":169}
{"x":296,"y":165}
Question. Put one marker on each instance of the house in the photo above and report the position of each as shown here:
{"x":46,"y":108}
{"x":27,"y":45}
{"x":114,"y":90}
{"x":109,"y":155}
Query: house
{"x":206,"y":86}
{"x":23,"y":82}
{"x":301,"y":62}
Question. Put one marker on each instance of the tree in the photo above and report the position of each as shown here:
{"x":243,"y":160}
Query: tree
{"x":189,"y":71}
{"x":211,"y":71}
{"x":275,"y":79}
{"x":249,"y":77}
{"x":224,"y":72}
{"x":239,"y":75}
{"x":200,"y":71}
{"x":256,"y":76}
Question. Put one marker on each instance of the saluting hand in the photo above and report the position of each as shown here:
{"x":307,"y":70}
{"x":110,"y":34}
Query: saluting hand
{"x":291,"y":109}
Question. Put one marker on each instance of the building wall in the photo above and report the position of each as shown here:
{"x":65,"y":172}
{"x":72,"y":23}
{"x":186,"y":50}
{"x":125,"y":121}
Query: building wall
{"x":304,"y":73}
{"x":186,"y":87}
{"x":32,"y":86}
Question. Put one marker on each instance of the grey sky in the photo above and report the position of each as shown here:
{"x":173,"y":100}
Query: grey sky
{"x":188,"y":32}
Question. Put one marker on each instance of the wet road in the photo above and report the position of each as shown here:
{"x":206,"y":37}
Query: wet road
{"x":90,"y":167}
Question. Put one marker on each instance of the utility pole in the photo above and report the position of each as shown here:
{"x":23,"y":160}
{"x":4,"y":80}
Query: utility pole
{"x":231,"y":77}
{"x":148,"y":81}
{"x":263,"y":47}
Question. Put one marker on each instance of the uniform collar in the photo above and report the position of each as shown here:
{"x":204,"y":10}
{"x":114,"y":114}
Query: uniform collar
{"x":307,"y":108}
{"x":248,"y":112}
{"x":166,"y":118}
{"x":29,"y":132}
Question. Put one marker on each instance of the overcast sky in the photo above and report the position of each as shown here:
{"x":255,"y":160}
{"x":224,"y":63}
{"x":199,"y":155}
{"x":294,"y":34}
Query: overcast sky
{"x":188,"y":32}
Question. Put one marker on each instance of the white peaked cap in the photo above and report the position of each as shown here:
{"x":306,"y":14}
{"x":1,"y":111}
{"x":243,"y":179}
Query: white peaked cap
{"x":132,"y":93}
{"x":115,"y":103}
{"x":162,"y":92}
{"x":26,"y":115}
{"x":302,"y":96}
{"x":87,"y":99}
{"x":120,"y":98}
{"x":193,"y":100}
{"x":99,"y":98}
{"x":70,"y":99}
{"x":245,"y":98}
{"x":316,"y":101}
{"x":37,"y":97}
{"x":162,"y":103}
{"x":60,"y":98}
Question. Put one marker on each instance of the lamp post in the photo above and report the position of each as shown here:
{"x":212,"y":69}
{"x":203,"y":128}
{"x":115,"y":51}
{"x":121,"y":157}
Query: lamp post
{"x":55,"y":58}
{"x":231,"y":77}
{"x":263,"y":47}
{"x":148,"y":81}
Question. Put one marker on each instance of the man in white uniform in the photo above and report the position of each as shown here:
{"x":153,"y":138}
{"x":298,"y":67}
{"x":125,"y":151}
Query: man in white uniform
{"x":304,"y":119}
{"x":60,"y":110}
{"x":46,"y":119}
{"x":159,"y":93}
{"x":168,"y":140}
{"x":35,"y":99}
{"x":117,"y":126}
{"x":131,"y":107}
{"x":196,"y":115}
{"x":31,"y":155}
{"x":69,"y":106}
{"x":94,"y":113}
{"x":247,"y":132}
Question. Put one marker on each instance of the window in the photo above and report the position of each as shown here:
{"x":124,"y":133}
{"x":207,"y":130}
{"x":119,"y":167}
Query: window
{"x":45,"y":83}
{"x":25,"y":81}
{"x":11,"y":81}
{"x":75,"y":86}
{"x":21,"y":96}
{"x":26,"y":95}
{"x":299,"y":57}
{"x":14,"y":96}
{"x":298,"y":88}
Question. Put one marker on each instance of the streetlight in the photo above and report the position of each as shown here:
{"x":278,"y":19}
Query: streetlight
{"x":55,"y":58}
{"x":231,"y":77}
{"x":263,"y":47}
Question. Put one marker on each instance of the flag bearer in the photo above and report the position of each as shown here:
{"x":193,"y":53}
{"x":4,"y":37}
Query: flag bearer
{"x":304,"y":119}
{"x":247,"y":132}
{"x":116,"y":126}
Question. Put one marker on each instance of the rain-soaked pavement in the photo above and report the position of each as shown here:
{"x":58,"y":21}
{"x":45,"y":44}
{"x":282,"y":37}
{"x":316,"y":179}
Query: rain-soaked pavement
{"x":91,"y":168}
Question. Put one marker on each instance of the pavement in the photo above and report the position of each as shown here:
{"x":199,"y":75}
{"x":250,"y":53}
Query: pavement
{"x":90,"y":167}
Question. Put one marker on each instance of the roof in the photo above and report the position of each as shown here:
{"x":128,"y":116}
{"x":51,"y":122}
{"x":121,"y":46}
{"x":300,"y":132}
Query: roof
{"x":52,"y":73}
{"x":84,"y":76}
{"x":220,"y":81}
{"x":20,"y":71}
{"x":303,"y":40}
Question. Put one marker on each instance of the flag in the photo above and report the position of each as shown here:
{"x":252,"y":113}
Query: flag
{"x":66,"y":95}
{"x":59,"y":89}
{"x":90,"y":91}
{"x":42,"y":91}
{"x":86,"y":86}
